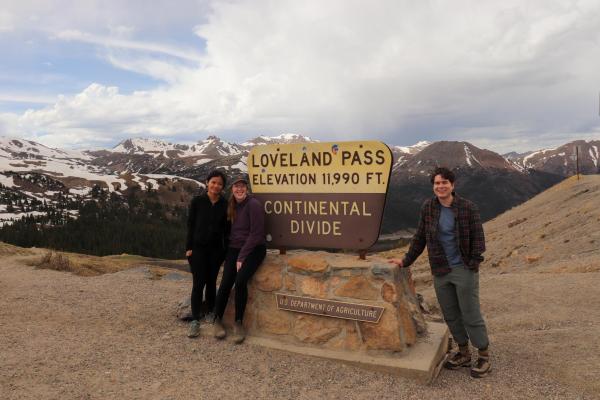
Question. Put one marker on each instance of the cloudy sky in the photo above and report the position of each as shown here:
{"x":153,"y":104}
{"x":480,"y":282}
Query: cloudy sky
{"x":508,"y":75}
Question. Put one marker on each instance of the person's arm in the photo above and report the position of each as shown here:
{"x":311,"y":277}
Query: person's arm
{"x":476,"y":237}
{"x":191,"y":222}
{"x":257,"y":230}
{"x":417,"y":244}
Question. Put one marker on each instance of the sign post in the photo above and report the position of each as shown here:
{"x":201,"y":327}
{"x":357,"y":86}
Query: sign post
{"x":321,"y":195}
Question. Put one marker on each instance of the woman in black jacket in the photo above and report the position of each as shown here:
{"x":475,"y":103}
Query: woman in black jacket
{"x":208,"y":231}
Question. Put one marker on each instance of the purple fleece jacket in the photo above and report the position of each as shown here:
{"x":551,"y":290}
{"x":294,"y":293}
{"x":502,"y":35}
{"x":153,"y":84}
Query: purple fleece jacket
{"x":248,"y":228}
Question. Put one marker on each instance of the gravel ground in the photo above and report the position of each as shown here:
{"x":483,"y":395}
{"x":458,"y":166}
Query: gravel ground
{"x":115,"y":337}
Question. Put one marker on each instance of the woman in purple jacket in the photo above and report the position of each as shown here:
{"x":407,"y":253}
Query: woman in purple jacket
{"x":245,"y":253}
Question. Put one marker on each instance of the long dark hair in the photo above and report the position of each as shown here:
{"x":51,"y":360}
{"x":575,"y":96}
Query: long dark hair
{"x":231,"y":208}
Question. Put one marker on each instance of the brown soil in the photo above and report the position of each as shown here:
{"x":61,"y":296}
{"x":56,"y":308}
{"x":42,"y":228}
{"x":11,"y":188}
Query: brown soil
{"x":114,"y":336}
{"x":86,"y":265}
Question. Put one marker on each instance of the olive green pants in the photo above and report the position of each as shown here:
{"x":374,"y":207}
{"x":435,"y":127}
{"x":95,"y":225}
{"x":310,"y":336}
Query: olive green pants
{"x":458,"y":295}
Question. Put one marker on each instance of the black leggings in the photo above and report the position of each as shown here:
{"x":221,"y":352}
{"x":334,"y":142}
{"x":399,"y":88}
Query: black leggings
{"x":240,"y":278}
{"x":204,"y":264}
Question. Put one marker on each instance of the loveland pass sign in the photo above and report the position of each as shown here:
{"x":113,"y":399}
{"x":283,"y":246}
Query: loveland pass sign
{"x":324,"y":195}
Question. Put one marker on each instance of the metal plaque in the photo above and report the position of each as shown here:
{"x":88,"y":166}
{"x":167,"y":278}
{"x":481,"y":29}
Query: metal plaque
{"x":329,"y":308}
{"x":323,"y":195}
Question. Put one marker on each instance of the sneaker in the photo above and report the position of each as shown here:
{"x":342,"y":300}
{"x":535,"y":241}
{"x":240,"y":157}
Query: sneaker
{"x":218,"y":329}
{"x":194,"y":330}
{"x":482,"y":367}
{"x":209,"y":317}
{"x":239,"y":333}
{"x":457,"y":360}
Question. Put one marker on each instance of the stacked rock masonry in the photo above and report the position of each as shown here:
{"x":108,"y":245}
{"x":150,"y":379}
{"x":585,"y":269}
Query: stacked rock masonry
{"x":337,"y":277}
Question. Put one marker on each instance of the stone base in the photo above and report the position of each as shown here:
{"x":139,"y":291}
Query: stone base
{"x":421,"y":362}
{"x":306,"y":283}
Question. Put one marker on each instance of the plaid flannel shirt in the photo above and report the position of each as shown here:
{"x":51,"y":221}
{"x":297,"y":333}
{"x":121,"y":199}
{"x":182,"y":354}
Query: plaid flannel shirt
{"x":468,"y":230}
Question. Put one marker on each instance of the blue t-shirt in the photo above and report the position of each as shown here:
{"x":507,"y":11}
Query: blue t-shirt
{"x":447,"y":237}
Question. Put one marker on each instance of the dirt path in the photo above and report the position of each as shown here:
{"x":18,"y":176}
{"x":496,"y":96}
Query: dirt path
{"x":114,"y":336}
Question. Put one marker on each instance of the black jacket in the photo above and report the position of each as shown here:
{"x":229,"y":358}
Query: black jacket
{"x":207,"y":223}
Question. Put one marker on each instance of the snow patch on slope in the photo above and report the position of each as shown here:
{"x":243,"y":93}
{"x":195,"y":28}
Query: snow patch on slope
{"x":594,"y":155}
{"x":527,"y":158}
{"x":9,"y":218}
{"x":81,"y":191}
{"x":28,"y":149}
{"x":61,"y":168}
{"x":202,"y":161}
{"x":414,"y":149}
{"x":142,"y":145}
{"x":7,"y":181}
{"x":469,"y":156}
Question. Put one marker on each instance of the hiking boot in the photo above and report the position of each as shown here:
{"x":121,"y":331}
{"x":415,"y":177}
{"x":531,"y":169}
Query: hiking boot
{"x":239,"y":333}
{"x":458,"y":359}
{"x":218,"y":329}
{"x":194,"y":330}
{"x":482,"y":367}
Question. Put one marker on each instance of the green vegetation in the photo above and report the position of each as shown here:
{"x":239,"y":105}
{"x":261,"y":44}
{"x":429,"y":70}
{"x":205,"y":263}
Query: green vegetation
{"x":106,"y":224}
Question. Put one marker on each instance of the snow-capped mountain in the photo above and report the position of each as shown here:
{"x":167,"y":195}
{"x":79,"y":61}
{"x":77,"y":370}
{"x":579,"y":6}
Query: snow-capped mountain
{"x":194,"y":161}
{"x":174,"y":171}
{"x":286,"y":138}
{"x":453,"y":155}
{"x":155,"y":156}
{"x":404,"y":153}
{"x":513,"y":155}
{"x":21,"y":149}
{"x":36,"y":174}
{"x":493,"y":182}
{"x":25,"y":156}
{"x":212,"y":147}
{"x":143,"y":145}
{"x":562,"y":160}
{"x":414,"y":149}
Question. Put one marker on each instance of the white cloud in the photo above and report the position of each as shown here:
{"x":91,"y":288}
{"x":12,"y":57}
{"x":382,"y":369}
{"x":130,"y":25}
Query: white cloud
{"x":152,"y":67}
{"x":6,"y":21}
{"x":26,"y":98}
{"x":119,"y":17}
{"x":397,"y":71}
{"x":112,"y":42}
{"x":9,"y":125}
{"x":121,"y":30}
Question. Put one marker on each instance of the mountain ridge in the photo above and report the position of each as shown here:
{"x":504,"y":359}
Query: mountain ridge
{"x":152,"y":167}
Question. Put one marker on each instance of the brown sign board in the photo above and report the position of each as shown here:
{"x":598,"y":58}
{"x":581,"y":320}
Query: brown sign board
{"x":323,"y":195}
{"x":329,"y":308}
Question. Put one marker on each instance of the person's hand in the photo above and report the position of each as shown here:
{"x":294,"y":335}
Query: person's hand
{"x":398,"y":261}
{"x":238,"y":265}
{"x":188,"y":253}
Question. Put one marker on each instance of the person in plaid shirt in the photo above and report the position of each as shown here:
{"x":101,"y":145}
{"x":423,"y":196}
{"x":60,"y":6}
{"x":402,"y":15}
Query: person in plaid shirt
{"x":451,"y":229}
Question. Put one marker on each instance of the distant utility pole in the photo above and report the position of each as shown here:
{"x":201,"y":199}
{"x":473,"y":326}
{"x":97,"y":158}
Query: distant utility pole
{"x":575,"y":157}
{"x":577,"y":160}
